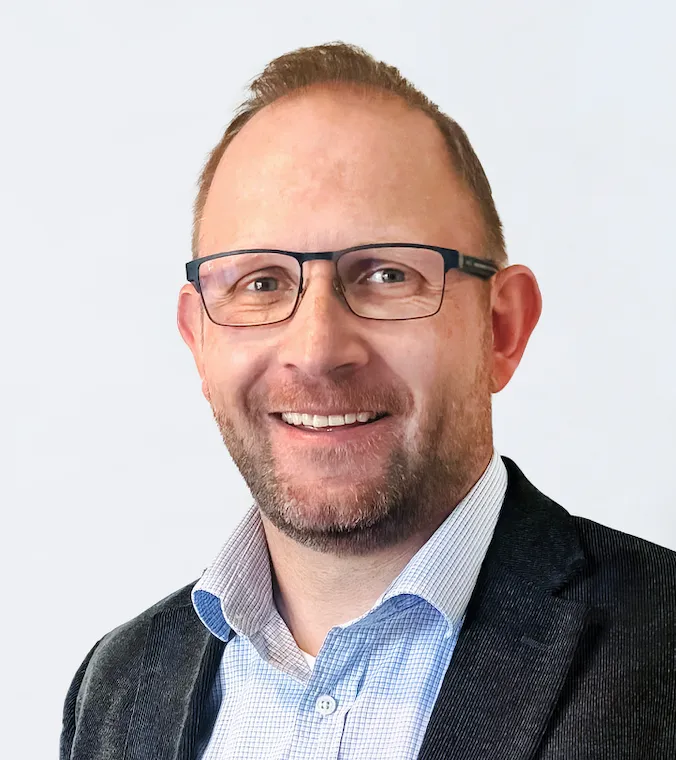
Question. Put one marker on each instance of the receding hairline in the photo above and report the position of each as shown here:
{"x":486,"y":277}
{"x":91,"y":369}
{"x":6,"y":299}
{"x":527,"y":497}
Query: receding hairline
{"x":347,"y":98}
{"x":367,"y":94}
{"x":353,"y":72}
{"x":364,"y":90}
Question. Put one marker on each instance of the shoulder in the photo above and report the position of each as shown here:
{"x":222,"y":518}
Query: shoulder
{"x":611,"y":565}
{"x":105,"y":684}
{"x":628,"y":571}
{"x":629,"y":581}
{"x":602,"y":540}
{"x":122,"y":648}
{"x":138,"y":625}
{"x":175,"y":600}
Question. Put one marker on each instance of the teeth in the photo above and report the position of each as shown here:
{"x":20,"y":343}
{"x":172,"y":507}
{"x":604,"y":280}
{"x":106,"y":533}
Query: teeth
{"x":331,"y":420}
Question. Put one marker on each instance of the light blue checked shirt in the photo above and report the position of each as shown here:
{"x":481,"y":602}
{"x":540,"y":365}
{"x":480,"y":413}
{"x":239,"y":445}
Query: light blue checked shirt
{"x":371,"y":690}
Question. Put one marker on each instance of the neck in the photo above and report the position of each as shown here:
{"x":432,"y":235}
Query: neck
{"x":315,"y":591}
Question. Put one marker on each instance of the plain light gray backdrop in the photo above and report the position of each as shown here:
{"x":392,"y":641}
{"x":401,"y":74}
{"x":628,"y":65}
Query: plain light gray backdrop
{"x":116,"y":488}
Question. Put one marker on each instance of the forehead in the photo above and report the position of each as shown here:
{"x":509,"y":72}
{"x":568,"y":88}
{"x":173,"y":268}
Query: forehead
{"x":334,"y":168}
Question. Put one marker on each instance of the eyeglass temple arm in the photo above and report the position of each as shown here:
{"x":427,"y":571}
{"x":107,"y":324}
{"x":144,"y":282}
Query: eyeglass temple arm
{"x":477,"y":267}
{"x":191,"y":273}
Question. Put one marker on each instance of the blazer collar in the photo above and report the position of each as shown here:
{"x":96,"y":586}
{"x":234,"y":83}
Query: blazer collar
{"x":519,"y":637}
{"x":168,"y":723}
{"x":512,"y":657}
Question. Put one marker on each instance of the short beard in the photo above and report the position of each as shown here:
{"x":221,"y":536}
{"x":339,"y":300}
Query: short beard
{"x":419,"y":487}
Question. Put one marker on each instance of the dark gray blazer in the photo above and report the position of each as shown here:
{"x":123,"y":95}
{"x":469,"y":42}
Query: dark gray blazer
{"x":568,"y":651}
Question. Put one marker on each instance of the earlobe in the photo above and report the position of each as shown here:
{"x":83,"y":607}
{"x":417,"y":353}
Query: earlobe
{"x":205,"y":390}
{"x":516,"y":305}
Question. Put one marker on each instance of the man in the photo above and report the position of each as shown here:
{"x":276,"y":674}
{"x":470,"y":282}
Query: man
{"x":398,"y":589}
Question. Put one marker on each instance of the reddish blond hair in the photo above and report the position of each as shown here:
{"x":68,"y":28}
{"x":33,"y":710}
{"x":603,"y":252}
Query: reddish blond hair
{"x":339,"y":63}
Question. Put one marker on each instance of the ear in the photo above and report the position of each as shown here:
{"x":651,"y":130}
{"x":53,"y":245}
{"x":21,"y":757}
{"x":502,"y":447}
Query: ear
{"x":190,"y":321}
{"x":516,"y":305}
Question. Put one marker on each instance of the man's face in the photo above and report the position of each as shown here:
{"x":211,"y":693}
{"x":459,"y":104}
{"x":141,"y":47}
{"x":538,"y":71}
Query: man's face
{"x":326,"y":171}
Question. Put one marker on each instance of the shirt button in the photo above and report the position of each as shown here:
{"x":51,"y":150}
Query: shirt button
{"x":325,"y":705}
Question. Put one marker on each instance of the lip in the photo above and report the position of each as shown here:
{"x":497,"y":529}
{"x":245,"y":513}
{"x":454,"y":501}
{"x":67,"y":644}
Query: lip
{"x":332,"y":436}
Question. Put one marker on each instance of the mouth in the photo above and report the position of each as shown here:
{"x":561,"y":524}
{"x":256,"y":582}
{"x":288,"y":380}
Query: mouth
{"x":328,"y":428}
{"x":333,"y":426}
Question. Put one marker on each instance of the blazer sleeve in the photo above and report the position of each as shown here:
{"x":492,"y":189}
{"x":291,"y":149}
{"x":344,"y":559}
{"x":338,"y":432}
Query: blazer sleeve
{"x":70,"y":708}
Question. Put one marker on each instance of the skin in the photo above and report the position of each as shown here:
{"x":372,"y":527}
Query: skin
{"x":323,"y":171}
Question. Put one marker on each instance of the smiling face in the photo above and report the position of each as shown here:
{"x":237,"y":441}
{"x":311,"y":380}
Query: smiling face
{"x":325,"y":171}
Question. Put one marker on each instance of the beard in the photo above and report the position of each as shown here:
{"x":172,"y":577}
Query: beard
{"x":417,"y":487}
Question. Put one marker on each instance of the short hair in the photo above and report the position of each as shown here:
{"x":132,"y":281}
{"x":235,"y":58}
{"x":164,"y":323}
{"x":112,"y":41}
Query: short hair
{"x":340,"y":63}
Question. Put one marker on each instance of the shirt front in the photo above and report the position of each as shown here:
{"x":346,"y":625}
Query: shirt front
{"x":371,"y":689}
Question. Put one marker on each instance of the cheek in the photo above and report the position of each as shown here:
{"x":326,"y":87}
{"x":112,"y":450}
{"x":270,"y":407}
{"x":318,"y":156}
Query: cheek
{"x":230,"y":368}
{"x":419,"y":364}
{"x":239,"y":367}
{"x":440,"y":365}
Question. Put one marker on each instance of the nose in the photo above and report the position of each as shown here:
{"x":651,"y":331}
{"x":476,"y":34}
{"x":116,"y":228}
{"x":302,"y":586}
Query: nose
{"x":323,"y":337}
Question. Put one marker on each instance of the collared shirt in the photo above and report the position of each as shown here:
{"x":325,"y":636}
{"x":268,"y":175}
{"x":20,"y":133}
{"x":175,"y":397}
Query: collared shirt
{"x":371,"y":689}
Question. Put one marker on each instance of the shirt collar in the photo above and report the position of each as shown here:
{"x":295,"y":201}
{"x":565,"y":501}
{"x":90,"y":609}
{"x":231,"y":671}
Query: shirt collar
{"x":444,"y":570}
{"x":235,"y":591}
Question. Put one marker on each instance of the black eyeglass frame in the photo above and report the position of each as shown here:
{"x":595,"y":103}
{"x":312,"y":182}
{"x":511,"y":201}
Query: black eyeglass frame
{"x":482,"y":268}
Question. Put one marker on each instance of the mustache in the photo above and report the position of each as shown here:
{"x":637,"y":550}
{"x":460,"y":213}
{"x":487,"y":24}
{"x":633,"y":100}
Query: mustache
{"x":331,"y":396}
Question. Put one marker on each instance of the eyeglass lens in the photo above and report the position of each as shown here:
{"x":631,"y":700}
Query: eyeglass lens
{"x":378,"y":283}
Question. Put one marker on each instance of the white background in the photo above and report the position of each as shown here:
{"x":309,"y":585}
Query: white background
{"x":116,"y":488}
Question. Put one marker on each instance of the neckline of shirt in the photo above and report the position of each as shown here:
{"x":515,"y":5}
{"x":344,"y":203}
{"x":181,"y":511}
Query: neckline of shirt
{"x":442,"y":572}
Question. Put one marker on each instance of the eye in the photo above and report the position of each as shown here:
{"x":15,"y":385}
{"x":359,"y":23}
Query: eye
{"x":388,"y":275}
{"x":269,"y":280}
{"x":263,"y":284}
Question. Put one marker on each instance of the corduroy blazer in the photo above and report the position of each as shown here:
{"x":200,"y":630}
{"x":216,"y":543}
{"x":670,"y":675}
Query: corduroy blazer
{"x":568,"y":652}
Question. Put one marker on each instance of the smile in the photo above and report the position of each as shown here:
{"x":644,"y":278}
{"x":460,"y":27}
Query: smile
{"x":340,"y":425}
{"x":321,"y":421}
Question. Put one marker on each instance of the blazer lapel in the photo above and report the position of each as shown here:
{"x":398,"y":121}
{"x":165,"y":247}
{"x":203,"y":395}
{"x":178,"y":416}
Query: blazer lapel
{"x":519,"y":636}
{"x":179,"y":664}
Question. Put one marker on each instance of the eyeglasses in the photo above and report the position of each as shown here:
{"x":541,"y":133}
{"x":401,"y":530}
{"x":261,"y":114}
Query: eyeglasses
{"x":391,"y":281}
